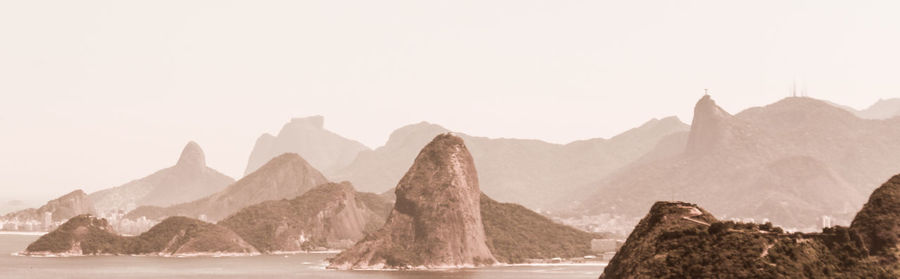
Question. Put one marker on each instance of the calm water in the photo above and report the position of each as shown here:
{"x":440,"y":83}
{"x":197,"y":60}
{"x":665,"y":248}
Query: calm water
{"x":293,"y":266}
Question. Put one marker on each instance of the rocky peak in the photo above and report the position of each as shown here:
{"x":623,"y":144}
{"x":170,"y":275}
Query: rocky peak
{"x":709,"y":127}
{"x":878,"y":223}
{"x":192,"y":156}
{"x":436,"y":221}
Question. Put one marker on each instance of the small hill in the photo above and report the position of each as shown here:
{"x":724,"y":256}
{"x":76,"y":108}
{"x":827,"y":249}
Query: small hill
{"x":332,"y":216}
{"x":87,"y":235}
{"x":681,"y":240}
{"x":515,"y":234}
{"x":307,"y":137}
{"x":60,"y":209}
{"x":188,"y":180}
{"x":285,"y":176}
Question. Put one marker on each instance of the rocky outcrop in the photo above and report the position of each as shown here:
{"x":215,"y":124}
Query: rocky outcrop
{"x":325,"y":150}
{"x":188,"y":180}
{"x":681,"y":240}
{"x":60,"y":209}
{"x":88,"y":235}
{"x":879,"y":220}
{"x":284,"y":177}
{"x":329,"y":216}
{"x":436,"y":220}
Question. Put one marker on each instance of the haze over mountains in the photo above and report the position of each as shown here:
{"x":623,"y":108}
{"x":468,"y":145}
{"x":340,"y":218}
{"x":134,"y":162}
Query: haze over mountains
{"x":324,"y":150}
{"x":284,"y":177}
{"x":790,"y":162}
{"x":188,"y":180}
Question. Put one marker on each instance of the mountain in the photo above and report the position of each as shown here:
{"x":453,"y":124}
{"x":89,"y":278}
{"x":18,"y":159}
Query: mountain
{"x":60,"y":209}
{"x":188,"y":180}
{"x":790,"y":162}
{"x":436,"y":220}
{"x":87,"y":235}
{"x":531,"y":172}
{"x":682,"y":240}
{"x":331,"y":215}
{"x":883,"y":109}
{"x":285,"y":176}
{"x":307,"y":137}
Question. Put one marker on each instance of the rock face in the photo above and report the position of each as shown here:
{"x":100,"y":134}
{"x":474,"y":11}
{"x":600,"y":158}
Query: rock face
{"x":436,"y":221}
{"x":790,"y":162}
{"x":879,"y":220}
{"x":60,"y":209}
{"x":529,"y":172}
{"x":188,"y":180}
{"x":674,"y":241}
{"x":285,"y":176}
{"x":307,"y":137}
{"x":87,"y":235}
{"x":332,"y":216}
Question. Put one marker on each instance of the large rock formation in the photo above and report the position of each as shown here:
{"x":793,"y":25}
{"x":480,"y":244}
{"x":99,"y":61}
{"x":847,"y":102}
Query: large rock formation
{"x":60,"y":209}
{"x":530,"y":172}
{"x":436,"y":220}
{"x":284,"y":177}
{"x":332,"y":216}
{"x":790,"y":162}
{"x":681,"y":240}
{"x":325,"y":150}
{"x":188,"y":180}
{"x":87,"y":235}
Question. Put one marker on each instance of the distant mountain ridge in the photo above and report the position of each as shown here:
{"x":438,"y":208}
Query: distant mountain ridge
{"x":188,"y":180}
{"x":323,"y":149}
{"x":791,"y":162}
{"x":284,"y":177}
{"x":882,"y":109}
{"x":530,"y":172}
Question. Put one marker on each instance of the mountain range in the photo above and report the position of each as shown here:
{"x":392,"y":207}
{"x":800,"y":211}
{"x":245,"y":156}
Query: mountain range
{"x":790,"y":162}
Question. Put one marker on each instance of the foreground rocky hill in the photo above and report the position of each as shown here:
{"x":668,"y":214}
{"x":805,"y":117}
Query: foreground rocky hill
{"x":88,"y":235}
{"x":332,"y":216}
{"x":188,"y":180}
{"x":681,"y":240}
{"x":285,"y":176}
{"x":60,"y":209}
{"x":790,"y":162}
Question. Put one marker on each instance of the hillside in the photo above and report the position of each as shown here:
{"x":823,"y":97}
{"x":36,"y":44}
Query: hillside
{"x":790,"y":162}
{"x":285,"y":176}
{"x":323,"y":149}
{"x":60,"y":209}
{"x":188,"y":180}
{"x":87,"y":235}
{"x":330,"y":216}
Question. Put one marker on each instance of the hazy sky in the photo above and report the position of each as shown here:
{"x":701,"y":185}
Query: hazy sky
{"x":97,"y":93}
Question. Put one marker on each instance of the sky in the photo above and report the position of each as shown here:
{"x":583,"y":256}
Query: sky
{"x":94,"y":94}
